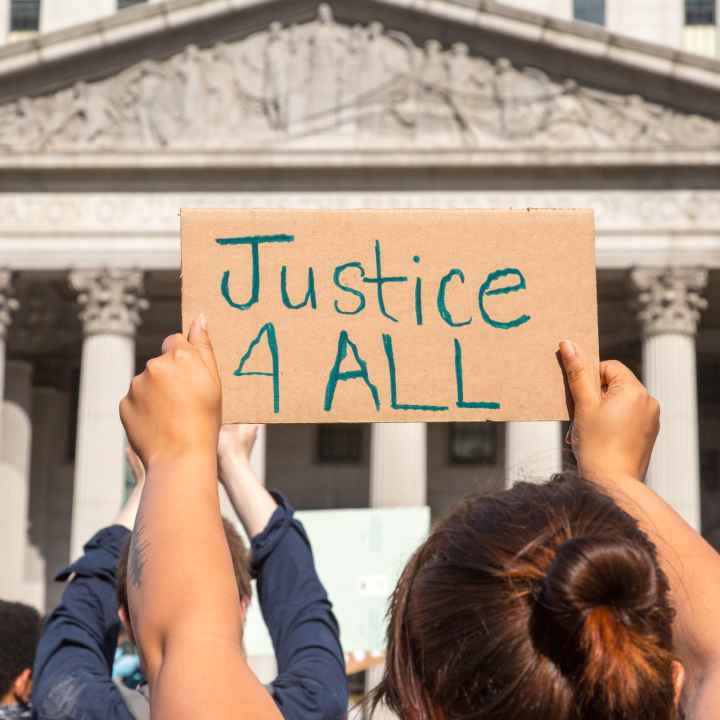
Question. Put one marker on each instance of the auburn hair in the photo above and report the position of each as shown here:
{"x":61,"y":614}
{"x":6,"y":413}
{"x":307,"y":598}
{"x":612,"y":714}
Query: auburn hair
{"x":543,"y":602}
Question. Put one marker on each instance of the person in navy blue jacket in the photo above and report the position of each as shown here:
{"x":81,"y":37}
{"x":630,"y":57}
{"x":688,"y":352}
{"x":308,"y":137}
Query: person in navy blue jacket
{"x":73,"y":667}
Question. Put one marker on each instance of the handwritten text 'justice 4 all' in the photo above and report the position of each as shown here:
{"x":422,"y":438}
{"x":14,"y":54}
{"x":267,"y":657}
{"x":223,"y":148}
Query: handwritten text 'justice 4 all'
{"x":353,"y":301}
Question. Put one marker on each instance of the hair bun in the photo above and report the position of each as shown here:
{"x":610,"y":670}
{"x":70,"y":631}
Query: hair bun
{"x":598,"y":593}
{"x":589,"y":573}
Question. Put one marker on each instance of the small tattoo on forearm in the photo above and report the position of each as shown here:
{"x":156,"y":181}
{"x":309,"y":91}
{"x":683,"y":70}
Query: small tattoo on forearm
{"x":138,"y":554}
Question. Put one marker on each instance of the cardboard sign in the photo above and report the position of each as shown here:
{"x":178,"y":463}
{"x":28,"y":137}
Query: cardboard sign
{"x":391,"y":315}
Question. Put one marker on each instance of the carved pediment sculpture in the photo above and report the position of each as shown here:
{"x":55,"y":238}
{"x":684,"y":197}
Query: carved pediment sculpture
{"x":324,"y":84}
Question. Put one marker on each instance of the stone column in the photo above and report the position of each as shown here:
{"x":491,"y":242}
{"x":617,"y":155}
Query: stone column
{"x":14,"y":453}
{"x":670,"y":303}
{"x":398,"y":465}
{"x":8,"y":305}
{"x":533,"y":451}
{"x":4,"y":21}
{"x":111,"y":303}
{"x":15,"y":478}
{"x":398,"y":478}
{"x":17,"y":409}
{"x":49,"y":451}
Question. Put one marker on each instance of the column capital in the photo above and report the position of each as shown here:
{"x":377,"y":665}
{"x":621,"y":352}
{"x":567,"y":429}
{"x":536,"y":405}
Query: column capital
{"x":8,"y":303}
{"x":110,"y":299}
{"x":669,"y":300}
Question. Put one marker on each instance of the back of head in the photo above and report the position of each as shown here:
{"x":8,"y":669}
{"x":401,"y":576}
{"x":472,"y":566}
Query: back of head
{"x":238,"y":554}
{"x":544,"y":601}
{"x":20,"y":627}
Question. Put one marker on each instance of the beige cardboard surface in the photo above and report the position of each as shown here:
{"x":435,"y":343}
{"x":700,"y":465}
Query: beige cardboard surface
{"x":464,"y":323}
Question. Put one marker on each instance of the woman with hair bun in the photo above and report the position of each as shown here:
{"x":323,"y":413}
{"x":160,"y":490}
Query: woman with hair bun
{"x":586,"y":598}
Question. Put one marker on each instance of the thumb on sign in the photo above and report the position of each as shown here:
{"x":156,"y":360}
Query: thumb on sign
{"x":173,"y":406}
{"x":616,"y":420}
{"x":199,"y":338}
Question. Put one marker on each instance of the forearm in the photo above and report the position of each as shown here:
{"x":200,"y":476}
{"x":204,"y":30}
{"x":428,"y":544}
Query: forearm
{"x":180,"y":572}
{"x":311,"y":682}
{"x":184,"y":601}
{"x":690,"y":563}
{"x":615,"y":425}
{"x":79,"y":638}
{"x":73,"y":655}
{"x":80,"y":630}
{"x":252,"y":503}
{"x":182,"y":594}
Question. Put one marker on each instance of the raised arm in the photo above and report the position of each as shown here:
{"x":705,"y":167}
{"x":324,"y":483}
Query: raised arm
{"x":252,"y":503}
{"x":311,"y":682}
{"x":73,"y":665}
{"x":615,"y":424}
{"x":182,"y":595}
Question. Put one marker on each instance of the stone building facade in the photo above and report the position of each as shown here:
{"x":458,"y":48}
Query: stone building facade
{"x":107,"y":128}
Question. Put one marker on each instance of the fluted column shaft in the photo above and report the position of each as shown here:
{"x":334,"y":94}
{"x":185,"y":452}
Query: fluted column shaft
{"x":111,"y":303}
{"x":15,"y":478}
{"x":15,"y":438}
{"x":533,"y":451}
{"x":398,"y":478}
{"x":8,"y":305}
{"x":670,"y":304}
{"x":398,"y":465}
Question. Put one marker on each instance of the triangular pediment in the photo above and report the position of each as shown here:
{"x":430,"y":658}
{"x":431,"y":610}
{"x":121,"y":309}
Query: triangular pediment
{"x":324,"y":83}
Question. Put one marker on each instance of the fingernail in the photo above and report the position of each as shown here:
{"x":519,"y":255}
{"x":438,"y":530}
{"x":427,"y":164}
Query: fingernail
{"x":568,"y":348}
{"x":203,"y":321}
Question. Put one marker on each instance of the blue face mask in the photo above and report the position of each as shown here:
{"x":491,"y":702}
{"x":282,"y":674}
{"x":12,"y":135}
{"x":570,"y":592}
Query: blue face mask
{"x":126,"y":667}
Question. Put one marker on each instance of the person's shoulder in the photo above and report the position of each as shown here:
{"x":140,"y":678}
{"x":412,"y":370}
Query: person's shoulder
{"x":100,"y":555}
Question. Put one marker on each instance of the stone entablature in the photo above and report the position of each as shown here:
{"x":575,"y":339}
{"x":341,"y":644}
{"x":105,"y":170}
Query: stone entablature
{"x":324,"y":85}
{"x":138,"y":229}
{"x":150,"y":213}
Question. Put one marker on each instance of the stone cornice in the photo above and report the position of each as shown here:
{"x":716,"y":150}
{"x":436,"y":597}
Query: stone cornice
{"x":87,"y":230}
{"x":142,"y":21}
{"x":339,"y":157}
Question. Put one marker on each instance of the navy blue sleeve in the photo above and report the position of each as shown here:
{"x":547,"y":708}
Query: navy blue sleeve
{"x":311,"y":682}
{"x":72,"y":675}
